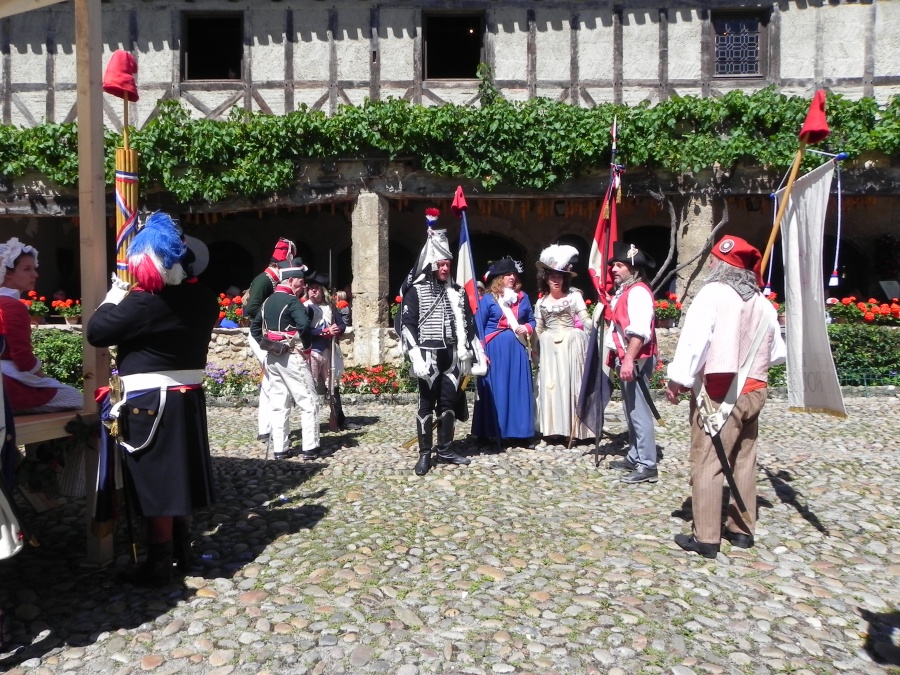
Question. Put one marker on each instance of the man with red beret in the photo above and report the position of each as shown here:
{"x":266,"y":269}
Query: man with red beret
{"x":729,"y":340}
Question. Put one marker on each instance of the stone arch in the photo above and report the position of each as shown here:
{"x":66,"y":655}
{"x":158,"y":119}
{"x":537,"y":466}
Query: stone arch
{"x":854,"y":270}
{"x":580,"y":267}
{"x":230,"y":264}
{"x":400,"y":261}
{"x":490,"y":246}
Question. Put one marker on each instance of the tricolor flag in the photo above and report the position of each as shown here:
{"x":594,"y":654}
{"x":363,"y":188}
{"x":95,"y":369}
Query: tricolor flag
{"x":596,"y":386}
{"x":465,"y":268}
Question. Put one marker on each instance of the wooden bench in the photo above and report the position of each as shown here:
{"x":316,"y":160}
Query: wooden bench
{"x":47,"y":426}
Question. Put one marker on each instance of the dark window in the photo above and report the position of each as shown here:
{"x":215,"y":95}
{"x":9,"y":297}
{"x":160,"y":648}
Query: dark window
{"x":453,"y":46}
{"x":739,"y":41}
{"x":213,"y":47}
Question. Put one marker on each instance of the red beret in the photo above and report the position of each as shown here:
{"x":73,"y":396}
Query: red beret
{"x":118,"y":79}
{"x":738,"y":253}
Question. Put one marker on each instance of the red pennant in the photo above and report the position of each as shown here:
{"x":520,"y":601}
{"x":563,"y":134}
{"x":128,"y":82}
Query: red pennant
{"x":815,"y":128}
{"x":459,"y":202}
{"x":118,"y":79}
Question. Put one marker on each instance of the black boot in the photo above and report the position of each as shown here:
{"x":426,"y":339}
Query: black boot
{"x":181,"y":541}
{"x":343,"y":424}
{"x":156,"y":570}
{"x":445,"y":440}
{"x":426,"y":436}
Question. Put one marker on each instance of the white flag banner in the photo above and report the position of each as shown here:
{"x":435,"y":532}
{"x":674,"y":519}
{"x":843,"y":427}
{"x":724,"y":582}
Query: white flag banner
{"x":812,"y":380}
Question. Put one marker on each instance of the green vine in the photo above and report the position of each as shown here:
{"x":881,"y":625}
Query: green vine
{"x":534,"y":145}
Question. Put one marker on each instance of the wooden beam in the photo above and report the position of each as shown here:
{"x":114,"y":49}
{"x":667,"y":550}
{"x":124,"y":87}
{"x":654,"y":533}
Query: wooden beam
{"x":92,"y":219}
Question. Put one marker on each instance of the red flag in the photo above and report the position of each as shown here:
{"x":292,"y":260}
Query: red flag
{"x":606,"y":234}
{"x":465,"y":265}
{"x":815,"y":128}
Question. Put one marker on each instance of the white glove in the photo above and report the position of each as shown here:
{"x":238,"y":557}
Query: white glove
{"x":117,"y":291}
{"x":465,"y":365}
{"x":481,"y":366}
{"x":419,"y":367}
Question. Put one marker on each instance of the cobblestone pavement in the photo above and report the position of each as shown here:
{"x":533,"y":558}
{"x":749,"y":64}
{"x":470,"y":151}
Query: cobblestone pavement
{"x":529,"y":561}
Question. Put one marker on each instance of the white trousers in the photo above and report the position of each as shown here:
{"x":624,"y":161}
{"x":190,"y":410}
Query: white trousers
{"x":291,"y":379}
{"x":264,"y":413}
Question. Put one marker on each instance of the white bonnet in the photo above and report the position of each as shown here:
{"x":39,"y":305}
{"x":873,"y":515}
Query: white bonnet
{"x":12,"y":249}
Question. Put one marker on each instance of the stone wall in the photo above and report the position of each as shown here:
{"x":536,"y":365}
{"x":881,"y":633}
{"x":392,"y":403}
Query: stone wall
{"x":228,"y":346}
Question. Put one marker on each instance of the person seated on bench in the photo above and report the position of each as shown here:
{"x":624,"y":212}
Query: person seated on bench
{"x":28,"y":389}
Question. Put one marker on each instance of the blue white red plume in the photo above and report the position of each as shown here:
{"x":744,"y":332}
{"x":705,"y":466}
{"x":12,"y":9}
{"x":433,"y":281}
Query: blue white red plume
{"x":431,"y":216}
{"x":155,"y":252}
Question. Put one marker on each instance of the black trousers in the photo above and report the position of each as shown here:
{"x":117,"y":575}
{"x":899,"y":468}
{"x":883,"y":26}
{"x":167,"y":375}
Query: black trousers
{"x":440,"y":396}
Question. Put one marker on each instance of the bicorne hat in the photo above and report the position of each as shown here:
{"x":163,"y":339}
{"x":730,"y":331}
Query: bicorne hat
{"x":502,"y":267}
{"x":630,"y":255}
{"x":319,"y":278}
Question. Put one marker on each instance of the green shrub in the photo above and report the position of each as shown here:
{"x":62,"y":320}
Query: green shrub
{"x":61,"y":353}
{"x":864,"y":352}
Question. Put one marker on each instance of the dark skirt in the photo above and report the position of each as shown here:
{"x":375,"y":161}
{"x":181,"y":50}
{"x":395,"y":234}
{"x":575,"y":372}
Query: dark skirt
{"x":172,"y":476}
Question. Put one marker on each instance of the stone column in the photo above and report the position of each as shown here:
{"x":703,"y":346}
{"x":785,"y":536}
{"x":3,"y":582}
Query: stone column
{"x":697,"y":221}
{"x":370,"y":278}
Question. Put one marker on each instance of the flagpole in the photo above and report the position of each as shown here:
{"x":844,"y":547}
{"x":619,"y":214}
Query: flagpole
{"x":795,"y":169}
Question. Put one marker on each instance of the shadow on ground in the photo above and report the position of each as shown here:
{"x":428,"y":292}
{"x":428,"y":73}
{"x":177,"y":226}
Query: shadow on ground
{"x":880,"y":642}
{"x":53,"y":599}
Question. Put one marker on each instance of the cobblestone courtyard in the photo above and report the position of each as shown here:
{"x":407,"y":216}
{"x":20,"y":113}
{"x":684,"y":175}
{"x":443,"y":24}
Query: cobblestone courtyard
{"x":529,"y":561}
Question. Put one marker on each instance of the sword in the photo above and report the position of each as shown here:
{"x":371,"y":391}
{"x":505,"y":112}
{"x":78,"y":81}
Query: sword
{"x":415,"y":439}
{"x":115,"y":395}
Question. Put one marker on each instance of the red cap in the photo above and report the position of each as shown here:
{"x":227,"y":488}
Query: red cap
{"x":738,"y":253}
{"x":459,"y":202}
{"x":118,"y":79}
{"x":815,"y":128}
{"x":284,"y":250}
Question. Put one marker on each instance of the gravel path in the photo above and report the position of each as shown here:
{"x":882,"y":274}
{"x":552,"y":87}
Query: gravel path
{"x":526,"y":561}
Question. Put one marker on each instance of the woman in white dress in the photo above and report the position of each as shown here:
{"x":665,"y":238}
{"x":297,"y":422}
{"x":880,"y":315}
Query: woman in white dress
{"x":561,"y":345}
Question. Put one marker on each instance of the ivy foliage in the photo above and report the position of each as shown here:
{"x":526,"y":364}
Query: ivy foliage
{"x":535,"y":145}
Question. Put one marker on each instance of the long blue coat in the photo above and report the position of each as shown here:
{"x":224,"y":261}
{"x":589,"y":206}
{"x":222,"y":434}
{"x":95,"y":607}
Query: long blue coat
{"x":505,"y":405}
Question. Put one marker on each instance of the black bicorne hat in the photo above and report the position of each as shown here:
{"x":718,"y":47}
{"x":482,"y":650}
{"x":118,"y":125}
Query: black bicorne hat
{"x":630,"y":255}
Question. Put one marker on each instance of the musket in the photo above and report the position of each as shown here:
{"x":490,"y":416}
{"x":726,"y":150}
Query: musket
{"x":334,"y":423}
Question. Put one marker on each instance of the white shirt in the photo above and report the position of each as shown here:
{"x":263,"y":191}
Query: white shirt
{"x":640,"y":313}
{"x":697,"y":333}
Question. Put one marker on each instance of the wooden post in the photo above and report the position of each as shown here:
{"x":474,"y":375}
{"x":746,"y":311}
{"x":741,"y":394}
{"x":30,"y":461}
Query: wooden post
{"x":795,"y":168}
{"x":92,"y":235}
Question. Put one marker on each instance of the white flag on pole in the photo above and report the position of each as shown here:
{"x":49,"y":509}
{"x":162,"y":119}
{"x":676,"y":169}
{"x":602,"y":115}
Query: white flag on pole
{"x":811,"y":376}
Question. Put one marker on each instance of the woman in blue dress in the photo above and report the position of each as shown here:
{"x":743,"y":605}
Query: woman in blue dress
{"x":505,"y":320}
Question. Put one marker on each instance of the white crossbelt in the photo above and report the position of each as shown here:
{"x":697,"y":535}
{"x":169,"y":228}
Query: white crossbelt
{"x":164,"y":378}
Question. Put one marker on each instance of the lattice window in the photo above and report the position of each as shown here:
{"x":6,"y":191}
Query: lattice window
{"x":740,"y":45}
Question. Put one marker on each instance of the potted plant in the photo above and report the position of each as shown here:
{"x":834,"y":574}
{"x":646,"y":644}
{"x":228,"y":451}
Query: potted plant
{"x":37,"y":307}
{"x":667,"y":311}
{"x":231,"y":310}
{"x":779,"y":307}
{"x":69,"y":309}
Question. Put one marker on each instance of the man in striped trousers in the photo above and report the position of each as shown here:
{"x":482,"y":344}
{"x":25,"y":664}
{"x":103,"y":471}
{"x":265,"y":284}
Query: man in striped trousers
{"x":729,"y":340}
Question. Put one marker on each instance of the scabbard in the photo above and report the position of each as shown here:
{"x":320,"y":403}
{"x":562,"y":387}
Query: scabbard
{"x":729,"y":477}
{"x":645,"y":390}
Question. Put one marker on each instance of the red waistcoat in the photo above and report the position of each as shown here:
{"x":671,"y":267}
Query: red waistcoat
{"x":622,"y":320}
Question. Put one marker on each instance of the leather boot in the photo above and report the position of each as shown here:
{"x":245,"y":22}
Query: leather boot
{"x":426,"y":436}
{"x":181,"y":541}
{"x":445,"y":440}
{"x":156,"y":570}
